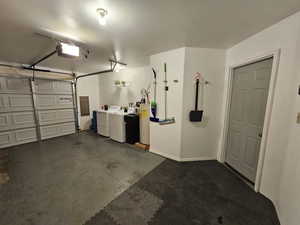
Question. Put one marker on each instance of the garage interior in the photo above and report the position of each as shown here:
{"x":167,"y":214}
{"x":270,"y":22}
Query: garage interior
{"x":149,"y":112}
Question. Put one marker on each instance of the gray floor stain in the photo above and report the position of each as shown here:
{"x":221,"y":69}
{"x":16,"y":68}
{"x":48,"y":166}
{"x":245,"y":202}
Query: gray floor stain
{"x":112,"y":165}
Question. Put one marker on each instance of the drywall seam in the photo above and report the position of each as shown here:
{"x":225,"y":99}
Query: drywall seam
{"x":182,"y":102}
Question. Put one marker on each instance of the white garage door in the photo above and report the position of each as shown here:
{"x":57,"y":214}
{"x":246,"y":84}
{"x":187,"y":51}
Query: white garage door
{"x":55,"y":108}
{"x":17,"y":120}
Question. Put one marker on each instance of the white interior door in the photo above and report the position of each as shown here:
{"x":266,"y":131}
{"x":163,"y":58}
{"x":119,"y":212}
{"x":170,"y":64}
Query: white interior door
{"x":247,"y":111}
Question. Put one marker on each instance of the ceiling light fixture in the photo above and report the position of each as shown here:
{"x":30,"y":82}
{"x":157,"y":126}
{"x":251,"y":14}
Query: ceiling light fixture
{"x":102,"y":16}
{"x":68,"y":50}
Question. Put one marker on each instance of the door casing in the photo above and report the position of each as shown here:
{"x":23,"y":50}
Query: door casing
{"x":221,"y":157}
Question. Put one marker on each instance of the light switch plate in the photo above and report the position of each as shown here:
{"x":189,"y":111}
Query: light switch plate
{"x":298,"y":118}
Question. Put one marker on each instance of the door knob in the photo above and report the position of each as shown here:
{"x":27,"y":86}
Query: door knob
{"x":260,"y":135}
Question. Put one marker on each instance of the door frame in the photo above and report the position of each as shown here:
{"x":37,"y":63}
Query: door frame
{"x":264,"y":141}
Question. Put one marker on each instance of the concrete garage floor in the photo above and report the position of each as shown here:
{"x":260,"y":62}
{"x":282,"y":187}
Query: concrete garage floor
{"x":67,"y":180}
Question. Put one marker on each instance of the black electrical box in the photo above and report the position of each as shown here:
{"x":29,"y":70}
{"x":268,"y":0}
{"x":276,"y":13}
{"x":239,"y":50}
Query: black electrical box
{"x":132,"y":128}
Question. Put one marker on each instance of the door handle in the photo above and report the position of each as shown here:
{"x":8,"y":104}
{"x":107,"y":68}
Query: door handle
{"x":260,"y":135}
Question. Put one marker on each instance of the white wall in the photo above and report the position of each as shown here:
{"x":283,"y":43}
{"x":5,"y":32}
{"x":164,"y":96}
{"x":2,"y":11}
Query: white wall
{"x":88,"y":86}
{"x":200,"y":140}
{"x":184,"y":140}
{"x":279,"y":178}
{"x":139,"y":78}
{"x":166,"y":139}
{"x":289,"y":196}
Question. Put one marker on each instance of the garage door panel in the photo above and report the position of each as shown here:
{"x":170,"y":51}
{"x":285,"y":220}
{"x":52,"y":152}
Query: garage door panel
{"x":56,"y":116}
{"x":63,"y":87}
{"x":55,"y":108}
{"x":5,"y":139}
{"x":66,"y":115}
{"x":23,"y":118}
{"x":54,"y":105}
{"x":10,"y":121}
{"x":2,"y":102}
{"x":20,"y":101}
{"x":15,"y":102}
{"x":57,"y":130}
{"x":14,"y":85}
{"x":26,"y":135}
{"x":53,"y":87}
{"x":43,"y":86}
{"x":46,"y":117}
{"x":2,"y":84}
{"x":67,"y":128}
{"x":65,"y":101}
{"x":45,"y":101}
{"x":18,"y":85}
{"x":54,"y":101}
{"x":16,"y":137}
{"x":4,"y":121}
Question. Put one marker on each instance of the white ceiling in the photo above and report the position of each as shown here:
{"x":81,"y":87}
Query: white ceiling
{"x":135,"y":29}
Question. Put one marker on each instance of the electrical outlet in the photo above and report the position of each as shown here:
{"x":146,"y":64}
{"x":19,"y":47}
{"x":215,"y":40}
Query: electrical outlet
{"x":298,"y":118}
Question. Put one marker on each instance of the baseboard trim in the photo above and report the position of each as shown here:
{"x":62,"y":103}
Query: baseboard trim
{"x":197,"y":159}
{"x":178,"y":159}
{"x":169,"y":156}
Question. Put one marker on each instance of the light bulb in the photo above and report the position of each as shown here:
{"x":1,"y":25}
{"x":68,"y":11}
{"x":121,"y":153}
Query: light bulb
{"x":102,"y":16}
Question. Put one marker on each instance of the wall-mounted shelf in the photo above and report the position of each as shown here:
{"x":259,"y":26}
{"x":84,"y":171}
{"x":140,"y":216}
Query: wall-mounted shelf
{"x":121,"y":84}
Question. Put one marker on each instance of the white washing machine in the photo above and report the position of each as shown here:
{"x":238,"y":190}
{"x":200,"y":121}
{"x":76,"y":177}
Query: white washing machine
{"x":117,"y":126}
{"x":103,"y":118}
{"x":103,"y":123}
